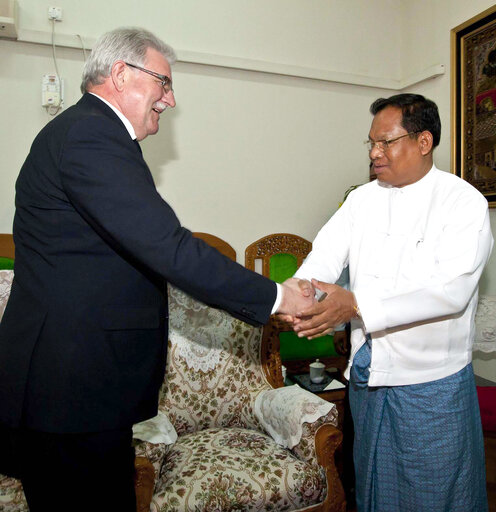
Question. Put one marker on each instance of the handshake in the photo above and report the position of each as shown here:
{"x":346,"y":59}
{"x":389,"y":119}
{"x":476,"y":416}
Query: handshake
{"x":312,"y":317}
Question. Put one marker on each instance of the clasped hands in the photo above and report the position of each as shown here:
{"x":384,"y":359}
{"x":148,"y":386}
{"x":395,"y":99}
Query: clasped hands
{"x":309,"y":317}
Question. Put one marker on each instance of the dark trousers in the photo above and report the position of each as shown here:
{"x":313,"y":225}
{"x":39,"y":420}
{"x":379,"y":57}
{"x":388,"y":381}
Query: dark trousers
{"x":90,"y":472}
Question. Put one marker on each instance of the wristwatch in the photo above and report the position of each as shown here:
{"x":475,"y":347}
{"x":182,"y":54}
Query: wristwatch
{"x":357,"y":312}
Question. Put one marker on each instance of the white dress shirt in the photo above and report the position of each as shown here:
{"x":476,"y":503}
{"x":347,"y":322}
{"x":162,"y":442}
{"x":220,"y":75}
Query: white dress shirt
{"x":415,"y":256}
{"x":120,"y":115}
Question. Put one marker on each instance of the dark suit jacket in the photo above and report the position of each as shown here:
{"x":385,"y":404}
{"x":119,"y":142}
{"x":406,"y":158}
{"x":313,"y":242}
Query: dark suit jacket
{"x":83,"y":339}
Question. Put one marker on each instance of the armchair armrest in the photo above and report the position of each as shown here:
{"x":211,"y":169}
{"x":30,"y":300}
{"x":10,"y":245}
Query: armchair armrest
{"x":318,"y":445}
{"x":150,"y":440}
{"x":144,"y":483}
{"x":327,"y":439}
{"x":285,"y":412}
{"x":307,"y":425}
{"x":147,"y":464}
{"x":307,"y":448}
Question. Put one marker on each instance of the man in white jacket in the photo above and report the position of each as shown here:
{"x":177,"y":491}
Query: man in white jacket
{"x":416,"y":242}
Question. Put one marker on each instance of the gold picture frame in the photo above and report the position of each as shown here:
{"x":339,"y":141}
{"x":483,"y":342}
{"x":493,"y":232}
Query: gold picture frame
{"x":473,"y":102}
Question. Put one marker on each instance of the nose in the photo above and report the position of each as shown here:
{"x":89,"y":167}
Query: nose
{"x":375,"y":152}
{"x":169,"y":98}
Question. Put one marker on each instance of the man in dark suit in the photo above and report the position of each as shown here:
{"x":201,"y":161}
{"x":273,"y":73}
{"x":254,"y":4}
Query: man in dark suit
{"x":84,"y":336}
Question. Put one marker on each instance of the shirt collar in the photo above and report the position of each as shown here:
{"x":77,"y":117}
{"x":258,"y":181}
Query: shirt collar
{"x":120,"y":115}
{"x":419,"y":185}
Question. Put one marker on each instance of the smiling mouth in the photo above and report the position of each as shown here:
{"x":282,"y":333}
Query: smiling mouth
{"x":159,"y":107}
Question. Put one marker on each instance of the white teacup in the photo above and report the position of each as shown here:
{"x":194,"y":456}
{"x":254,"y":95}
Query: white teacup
{"x":317,"y":372}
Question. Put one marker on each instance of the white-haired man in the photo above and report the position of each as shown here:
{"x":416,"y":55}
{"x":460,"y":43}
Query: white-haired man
{"x":83,"y":340}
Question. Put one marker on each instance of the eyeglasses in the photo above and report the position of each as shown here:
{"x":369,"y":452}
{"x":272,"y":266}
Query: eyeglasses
{"x":165,"y":81}
{"x":383,"y":145}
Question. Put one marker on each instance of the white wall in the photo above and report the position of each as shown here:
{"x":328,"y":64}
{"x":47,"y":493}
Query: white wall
{"x":248,"y":153}
{"x":310,"y":33}
{"x":244,"y":153}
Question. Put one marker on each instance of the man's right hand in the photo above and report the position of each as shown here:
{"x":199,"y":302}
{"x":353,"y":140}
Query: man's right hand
{"x":338,"y":306}
{"x":298,"y":295}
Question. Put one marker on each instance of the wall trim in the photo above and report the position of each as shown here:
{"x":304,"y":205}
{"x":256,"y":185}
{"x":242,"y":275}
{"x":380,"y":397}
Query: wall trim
{"x":208,"y":59}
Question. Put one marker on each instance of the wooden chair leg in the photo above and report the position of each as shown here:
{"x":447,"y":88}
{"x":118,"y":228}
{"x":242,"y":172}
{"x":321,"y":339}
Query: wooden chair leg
{"x":327,"y":440}
{"x":144,"y":483}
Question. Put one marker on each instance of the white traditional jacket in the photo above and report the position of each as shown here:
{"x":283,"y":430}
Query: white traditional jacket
{"x":415,"y":256}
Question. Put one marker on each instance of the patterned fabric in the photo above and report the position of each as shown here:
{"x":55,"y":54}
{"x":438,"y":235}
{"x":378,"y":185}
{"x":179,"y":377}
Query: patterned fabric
{"x":305,"y":449}
{"x":11,"y":495}
{"x":418,"y":448}
{"x":153,"y":452}
{"x":485,"y":324}
{"x":275,"y":408}
{"x":234,"y":469}
{"x":6,"y":277}
{"x":215,"y":380}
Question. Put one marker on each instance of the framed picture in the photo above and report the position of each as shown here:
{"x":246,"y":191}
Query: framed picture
{"x":473,"y":102}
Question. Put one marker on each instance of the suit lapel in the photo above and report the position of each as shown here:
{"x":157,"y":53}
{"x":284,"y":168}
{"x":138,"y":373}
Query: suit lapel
{"x":89,"y":101}
{"x":138,"y":146}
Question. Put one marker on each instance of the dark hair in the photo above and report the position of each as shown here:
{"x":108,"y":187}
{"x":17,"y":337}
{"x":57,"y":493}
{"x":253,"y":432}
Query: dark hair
{"x":419,"y":113}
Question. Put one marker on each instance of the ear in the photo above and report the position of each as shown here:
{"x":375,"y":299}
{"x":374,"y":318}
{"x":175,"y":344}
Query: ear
{"x":425,"y":141}
{"x":118,"y":74}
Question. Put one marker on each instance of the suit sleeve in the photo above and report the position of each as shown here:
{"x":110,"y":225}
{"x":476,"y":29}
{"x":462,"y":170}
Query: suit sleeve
{"x":108,"y":183}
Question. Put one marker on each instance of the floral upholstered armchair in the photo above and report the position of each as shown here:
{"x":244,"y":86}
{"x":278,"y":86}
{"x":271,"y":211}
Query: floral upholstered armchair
{"x":11,"y":494}
{"x":224,"y":439}
{"x":234,"y":442}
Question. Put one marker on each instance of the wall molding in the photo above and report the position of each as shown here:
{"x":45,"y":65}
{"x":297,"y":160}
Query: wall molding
{"x":207,"y":59}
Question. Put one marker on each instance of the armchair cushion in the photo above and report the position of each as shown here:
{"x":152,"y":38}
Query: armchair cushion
{"x":234,"y":469}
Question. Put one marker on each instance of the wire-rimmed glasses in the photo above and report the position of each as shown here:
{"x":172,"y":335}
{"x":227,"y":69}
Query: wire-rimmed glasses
{"x":165,"y":81}
{"x":383,"y":145}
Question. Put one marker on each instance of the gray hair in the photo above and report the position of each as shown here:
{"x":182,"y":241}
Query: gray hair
{"x":127,"y":44}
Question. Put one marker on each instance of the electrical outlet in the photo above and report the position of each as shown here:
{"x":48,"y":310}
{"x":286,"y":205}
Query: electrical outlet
{"x":52,"y":91}
{"x":55,"y":13}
